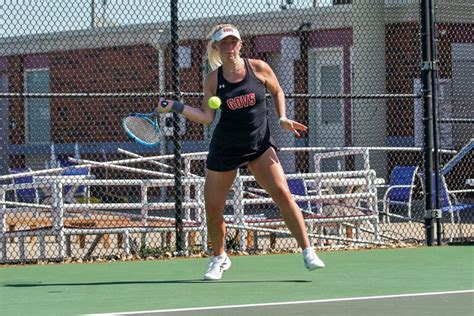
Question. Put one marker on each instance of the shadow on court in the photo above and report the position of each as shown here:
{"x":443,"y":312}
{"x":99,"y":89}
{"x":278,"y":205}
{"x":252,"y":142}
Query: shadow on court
{"x":195,"y":281}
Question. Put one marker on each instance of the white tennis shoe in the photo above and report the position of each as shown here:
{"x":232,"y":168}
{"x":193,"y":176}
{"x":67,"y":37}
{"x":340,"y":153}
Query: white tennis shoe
{"x":311,"y":260}
{"x":217,"y":266}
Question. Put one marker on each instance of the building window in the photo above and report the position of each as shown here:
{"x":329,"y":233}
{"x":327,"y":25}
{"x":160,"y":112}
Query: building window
{"x":184,"y":57}
{"x":453,"y":101}
{"x":37,"y":110}
{"x":331,"y":111}
{"x":461,"y":94}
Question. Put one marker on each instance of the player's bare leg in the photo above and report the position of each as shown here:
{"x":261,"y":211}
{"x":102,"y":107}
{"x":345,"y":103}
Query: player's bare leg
{"x":269,"y":175}
{"x":216,"y":189}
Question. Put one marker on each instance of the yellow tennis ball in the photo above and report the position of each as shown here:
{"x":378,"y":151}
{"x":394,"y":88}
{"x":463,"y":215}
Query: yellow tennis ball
{"x":214,"y":102}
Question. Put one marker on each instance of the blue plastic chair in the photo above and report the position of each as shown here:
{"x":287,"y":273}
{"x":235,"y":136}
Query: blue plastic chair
{"x":29,"y":195}
{"x":298,"y":187}
{"x":400,"y":189}
{"x":452,"y":206}
{"x":73,"y":190}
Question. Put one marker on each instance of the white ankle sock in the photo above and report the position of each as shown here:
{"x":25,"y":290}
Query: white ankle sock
{"x":221,"y":256}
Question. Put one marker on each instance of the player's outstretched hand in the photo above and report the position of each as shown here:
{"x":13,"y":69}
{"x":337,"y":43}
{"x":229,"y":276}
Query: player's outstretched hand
{"x":293,"y":126}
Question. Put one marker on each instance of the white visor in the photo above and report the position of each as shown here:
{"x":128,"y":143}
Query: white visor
{"x":224,"y":32}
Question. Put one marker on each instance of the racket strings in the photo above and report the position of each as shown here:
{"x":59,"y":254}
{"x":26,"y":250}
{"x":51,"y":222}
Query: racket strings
{"x":142,"y":129}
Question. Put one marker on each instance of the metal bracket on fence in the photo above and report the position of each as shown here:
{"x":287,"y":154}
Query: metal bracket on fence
{"x":435,"y":213}
{"x":429,"y":65}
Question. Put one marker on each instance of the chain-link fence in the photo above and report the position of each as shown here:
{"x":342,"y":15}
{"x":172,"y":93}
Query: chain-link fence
{"x":378,"y":101}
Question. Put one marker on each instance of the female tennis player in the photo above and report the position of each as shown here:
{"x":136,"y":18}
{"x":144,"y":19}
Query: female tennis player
{"x":242,"y":138}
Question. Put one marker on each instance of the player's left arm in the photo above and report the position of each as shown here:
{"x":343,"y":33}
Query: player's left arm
{"x":267,"y":76}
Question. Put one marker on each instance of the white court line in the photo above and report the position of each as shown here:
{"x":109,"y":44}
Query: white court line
{"x":347,"y":299}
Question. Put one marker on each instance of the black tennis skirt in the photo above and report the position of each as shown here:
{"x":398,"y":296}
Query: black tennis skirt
{"x":219,"y":160}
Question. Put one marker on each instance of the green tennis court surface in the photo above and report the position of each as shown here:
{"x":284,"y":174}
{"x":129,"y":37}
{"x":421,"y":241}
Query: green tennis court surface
{"x":368,"y":282}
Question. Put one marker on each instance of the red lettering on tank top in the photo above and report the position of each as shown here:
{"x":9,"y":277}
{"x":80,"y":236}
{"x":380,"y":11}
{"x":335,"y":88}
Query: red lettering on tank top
{"x":239,"y":102}
{"x":252,"y":99}
{"x":242,"y":101}
{"x":231,"y":104}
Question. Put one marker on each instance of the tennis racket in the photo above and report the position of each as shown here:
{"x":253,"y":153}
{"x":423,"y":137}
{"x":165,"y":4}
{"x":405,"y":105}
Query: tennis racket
{"x":143,"y":128}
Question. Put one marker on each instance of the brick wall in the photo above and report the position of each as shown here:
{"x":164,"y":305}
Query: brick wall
{"x":115,"y":69}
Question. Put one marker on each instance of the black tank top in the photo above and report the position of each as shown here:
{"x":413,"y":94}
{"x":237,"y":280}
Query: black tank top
{"x":243,"y":125}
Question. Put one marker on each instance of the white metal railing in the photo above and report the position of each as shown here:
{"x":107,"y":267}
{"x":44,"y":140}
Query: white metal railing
{"x":59,"y":209}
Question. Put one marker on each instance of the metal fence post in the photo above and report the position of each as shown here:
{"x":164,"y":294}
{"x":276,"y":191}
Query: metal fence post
{"x":176,"y":129}
{"x":427,"y":93}
{"x":434,"y":90}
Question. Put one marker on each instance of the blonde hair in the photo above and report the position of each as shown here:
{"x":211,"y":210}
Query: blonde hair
{"x":213,"y":57}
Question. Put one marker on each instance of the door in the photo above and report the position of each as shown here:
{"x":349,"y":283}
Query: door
{"x":326,"y":116}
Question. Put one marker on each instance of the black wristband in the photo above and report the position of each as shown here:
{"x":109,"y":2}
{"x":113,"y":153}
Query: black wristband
{"x":177,"y":107}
